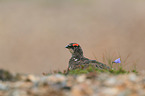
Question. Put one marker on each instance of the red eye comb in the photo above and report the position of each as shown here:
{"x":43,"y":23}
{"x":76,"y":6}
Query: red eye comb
{"x":75,"y":44}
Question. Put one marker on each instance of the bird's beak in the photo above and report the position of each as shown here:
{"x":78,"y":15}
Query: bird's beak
{"x":67,"y":46}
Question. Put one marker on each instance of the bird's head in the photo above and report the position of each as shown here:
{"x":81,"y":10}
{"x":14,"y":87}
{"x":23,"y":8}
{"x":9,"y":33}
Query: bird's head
{"x":74,"y":49}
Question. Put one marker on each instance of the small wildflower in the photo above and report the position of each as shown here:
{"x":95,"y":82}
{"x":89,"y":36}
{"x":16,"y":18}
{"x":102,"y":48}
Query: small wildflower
{"x":117,"y":61}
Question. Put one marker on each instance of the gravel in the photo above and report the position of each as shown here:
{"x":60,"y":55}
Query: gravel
{"x":102,"y":84}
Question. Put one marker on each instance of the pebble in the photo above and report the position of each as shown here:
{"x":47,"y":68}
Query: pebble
{"x":60,"y":85}
{"x":56,"y":78}
{"x":132,"y":77}
{"x":81,"y":78}
{"x":111,"y":81}
{"x":110,"y":91}
{"x":3,"y":86}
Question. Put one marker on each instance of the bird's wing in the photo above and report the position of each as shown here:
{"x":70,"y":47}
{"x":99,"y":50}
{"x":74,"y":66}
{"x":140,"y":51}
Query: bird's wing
{"x":99,"y":64}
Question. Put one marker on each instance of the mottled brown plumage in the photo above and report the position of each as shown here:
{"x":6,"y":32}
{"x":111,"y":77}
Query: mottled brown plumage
{"x":78,"y":60}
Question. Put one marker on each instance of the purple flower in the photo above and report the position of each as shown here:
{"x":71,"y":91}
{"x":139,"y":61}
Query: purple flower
{"x":117,"y":61}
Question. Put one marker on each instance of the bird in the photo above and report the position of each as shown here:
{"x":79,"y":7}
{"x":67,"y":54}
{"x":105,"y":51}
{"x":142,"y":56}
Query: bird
{"x":78,"y":60}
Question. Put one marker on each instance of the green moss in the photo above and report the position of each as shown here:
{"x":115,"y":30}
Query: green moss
{"x":79,"y":71}
{"x":92,"y":69}
{"x":134,"y":71}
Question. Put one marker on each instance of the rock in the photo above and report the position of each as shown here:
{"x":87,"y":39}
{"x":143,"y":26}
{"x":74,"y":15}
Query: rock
{"x":82,"y":90}
{"x":22,"y":84}
{"x":110,"y":92}
{"x":31,"y":78}
{"x":111,"y":81}
{"x":126,"y":92}
{"x":81,"y":78}
{"x":56,"y":78}
{"x":16,"y":92}
{"x":3,"y":86}
{"x":132,"y":77}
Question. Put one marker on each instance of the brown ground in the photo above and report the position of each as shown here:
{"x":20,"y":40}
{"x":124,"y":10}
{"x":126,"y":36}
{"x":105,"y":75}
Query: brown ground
{"x":33,"y":34}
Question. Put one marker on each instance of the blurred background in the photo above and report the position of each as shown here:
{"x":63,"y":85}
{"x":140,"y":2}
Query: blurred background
{"x":34,"y":33}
